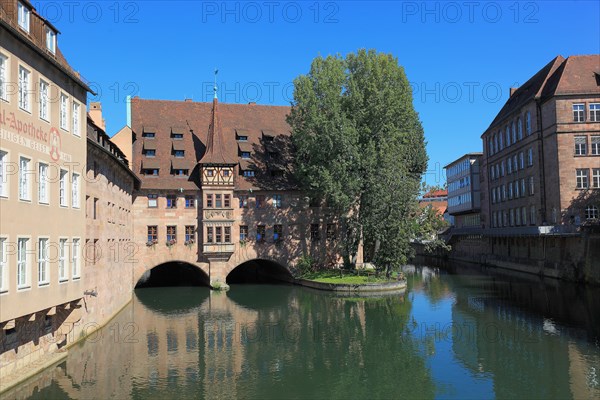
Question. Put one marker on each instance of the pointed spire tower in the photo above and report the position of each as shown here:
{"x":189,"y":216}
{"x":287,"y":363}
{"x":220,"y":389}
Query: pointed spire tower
{"x":217,"y":166}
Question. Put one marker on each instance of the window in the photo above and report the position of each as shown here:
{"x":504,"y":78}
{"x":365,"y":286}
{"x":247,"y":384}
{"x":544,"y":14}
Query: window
{"x":243,"y":233}
{"x":531,"y":186}
{"x":515,"y":164}
{"x":227,"y":234}
{"x":517,"y":191}
{"x":493,"y":195}
{"x":591,"y":212}
{"x":496,"y":143}
{"x":512,"y":217}
{"x":171,"y":234}
{"x":190,"y":202}
{"x":519,"y":129}
{"x":218,"y":201}
{"x":24,"y":192}
{"x":532,"y":215}
{"x":22,"y":263}
{"x":179,"y":153}
{"x":503,"y":192}
{"x":152,"y":200}
{"x":210,"y":172}
{"x":248,"y":173}
{"x":51,"y":40}
{"x":227,"y":201}
{"x":75,"y":259}
{"x":75,"y":120}
{"x":277,"y":200}
{"x":242,"y":138}
{"x":528,"y":123}
{"x":180,"y":172}
{"x":152,"y":234}
{"x":24,"y":85}
{"x":218,"y":234}
{"x":243,"y":201}
{"x":596,"y":178}
{"x":582,"y":178}
{"x":150,"y":171}
{"x":529,"y":157}
{"x":517,"y":217}
{"x":209,"y":234}
{"x":514,"y":132}
{"x":148,"y":135}
{"x":209,"y":201}
{"x":43,"y":276}
{"x":522,"y":160}
{"x":501,"y":140}
{"x":507,"y":136}
{"x":171,"y":201}
{"x":580,"y":145}
{"x":502,"y":168}
{"x":331,"y":234}
{"x":3,"y":77}
{"x":510,"y":190}
{"x":189,"y":233}
{"x":43,"y":183}
{"x":595,"y":112}
{"x":23,"y":14}
{"x":277,"y":232}
{"x":62,"y":253}
{"x":490,"y":147}
{"x":523,"y":187}
{"x":260,"y":201}
{"x":595,"y":146}
{"x":493,"y":172}
{"x":245,"y":154}
{"x":63,"y":115}
{"x":260,"y":233}
{"x":524,"y":215}
{"x":177,"y":136}
{"x":75,"y":190}
{"x":44,"y":100}
{"x":314,"y":232}
{"x":63,"y":188}
{"x":3,"y":266}
{"x":578,"y":112}
{"x":509,"y":165}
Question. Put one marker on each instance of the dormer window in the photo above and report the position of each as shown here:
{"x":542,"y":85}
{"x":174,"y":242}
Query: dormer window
{"x":149,"y":135}
{"x":248,"y":173}
{"x":245,"y":154}
{"x":149,"y":152}
{"x":177,"y":133}
{"x":150,"y":171}
{"x":177,"y":136}
{"x":181,"y":172}
{"x":51,"y":40}
{"x":24,"y":14}
{"x":178,"y":153}
{"x":242,"y":138}
{"x":210,"y":172}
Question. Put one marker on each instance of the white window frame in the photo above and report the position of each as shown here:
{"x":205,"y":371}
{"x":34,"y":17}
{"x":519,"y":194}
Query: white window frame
{"x":23,"y":16}
{"x":579,"y":112}
{"x":75,"y":192}
{"x":582,"y":178}
{"x":44,"y":100}
{"x":51,"y":40}
{"x":76,"y":258}
{"x":63,"y":271}
{"x":591,"y":212}
{"x":24,"y":89}
{"x":595,"y":178}
{"x":580,"y":145}
{"x":4,"y":74}
{"x":24,"y":180}
{"x":23,"y":277}
{"x":43,"y":262}
{"x":4,"y":182}
{"x":594,"y":112}
{"x":43,"y":192}
{"x":4,"y":276}
{"x":595,"y":145}
{"x":62,"y":188}
{"x":75,"y":118}
{"x":64,"y":112}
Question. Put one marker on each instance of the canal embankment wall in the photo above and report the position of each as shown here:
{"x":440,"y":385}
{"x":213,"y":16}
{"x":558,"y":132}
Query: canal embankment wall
{"x":573,"y":258}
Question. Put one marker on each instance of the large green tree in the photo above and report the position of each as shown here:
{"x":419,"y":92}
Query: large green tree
{"x":360,"y":146}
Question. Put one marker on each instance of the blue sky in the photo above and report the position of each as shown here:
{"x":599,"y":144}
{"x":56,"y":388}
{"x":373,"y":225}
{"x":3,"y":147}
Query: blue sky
{"x":461,"y":57}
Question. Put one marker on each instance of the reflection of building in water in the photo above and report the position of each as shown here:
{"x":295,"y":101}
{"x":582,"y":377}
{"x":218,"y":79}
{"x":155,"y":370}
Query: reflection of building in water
{"x":518,"y":349}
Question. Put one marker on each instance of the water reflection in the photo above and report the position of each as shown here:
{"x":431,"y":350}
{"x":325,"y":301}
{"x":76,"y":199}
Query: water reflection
{"x":448,"y":336}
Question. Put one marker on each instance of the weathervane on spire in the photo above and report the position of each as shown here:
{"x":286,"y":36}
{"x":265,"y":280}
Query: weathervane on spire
{"x":215,"y":87}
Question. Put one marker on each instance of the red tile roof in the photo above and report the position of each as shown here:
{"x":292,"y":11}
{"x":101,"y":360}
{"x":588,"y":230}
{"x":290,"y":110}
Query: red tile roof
{"x":250,"y":119}
{"x":436,"y":193}
{"x":215,"y":152}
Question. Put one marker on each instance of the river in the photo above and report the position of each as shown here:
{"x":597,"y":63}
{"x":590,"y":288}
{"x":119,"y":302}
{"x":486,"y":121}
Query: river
{"x":466,"y":335}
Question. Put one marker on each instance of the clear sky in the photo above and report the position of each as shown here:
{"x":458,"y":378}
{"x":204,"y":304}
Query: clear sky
{"x":461,"y":56}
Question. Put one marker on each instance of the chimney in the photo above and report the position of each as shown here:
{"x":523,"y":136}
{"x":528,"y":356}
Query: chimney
{"x":252,"y":103}
{"x":512,"y":91}
{"x":188,"y":100}
{"x":96,"y":115}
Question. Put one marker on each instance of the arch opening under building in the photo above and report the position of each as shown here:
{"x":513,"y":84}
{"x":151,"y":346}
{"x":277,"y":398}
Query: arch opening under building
{"x":259,"y":271}
{"x":173,"y":273}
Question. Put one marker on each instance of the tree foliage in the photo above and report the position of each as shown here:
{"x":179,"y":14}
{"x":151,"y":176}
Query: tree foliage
{"x":360,"y":146}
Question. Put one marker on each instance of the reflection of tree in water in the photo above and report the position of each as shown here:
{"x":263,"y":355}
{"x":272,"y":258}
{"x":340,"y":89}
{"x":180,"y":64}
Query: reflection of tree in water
{"x":335,"y":348}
